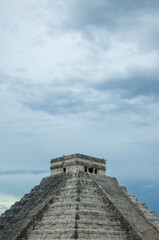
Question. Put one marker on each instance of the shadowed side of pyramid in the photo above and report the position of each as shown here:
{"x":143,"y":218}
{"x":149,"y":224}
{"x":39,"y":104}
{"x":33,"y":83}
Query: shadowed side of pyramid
{"x":127,"y":208}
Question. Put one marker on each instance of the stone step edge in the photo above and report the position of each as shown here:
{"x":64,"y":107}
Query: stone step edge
{"x":73,"y":229}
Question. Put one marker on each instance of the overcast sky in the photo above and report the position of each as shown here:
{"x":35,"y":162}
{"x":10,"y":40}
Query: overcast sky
{"x":79,"y":77}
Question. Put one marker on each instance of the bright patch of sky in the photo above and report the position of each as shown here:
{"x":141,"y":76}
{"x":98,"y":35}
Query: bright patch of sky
{"x":79,"y":76}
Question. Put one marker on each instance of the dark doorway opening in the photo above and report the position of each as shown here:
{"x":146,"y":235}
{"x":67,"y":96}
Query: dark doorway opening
{"x":85,"y":169}
{"x":91,"y":170}
{"x":64,"y":170}
{"x":95,"y":171}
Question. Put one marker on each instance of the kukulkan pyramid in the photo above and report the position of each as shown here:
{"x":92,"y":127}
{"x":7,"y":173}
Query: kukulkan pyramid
{"x":78,"y":201}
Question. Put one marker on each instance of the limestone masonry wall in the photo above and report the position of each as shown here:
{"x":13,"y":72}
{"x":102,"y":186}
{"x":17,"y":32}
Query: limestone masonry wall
{"x":78,"y":162}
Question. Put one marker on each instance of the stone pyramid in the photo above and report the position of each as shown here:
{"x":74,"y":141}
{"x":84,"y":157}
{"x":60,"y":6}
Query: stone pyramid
{"x":78,"y":201}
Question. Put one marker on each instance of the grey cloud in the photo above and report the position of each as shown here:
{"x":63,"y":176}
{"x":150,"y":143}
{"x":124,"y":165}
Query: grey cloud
{"x":2,"y":207}
{"x":126,"y":21}
{"x":151,"y":40}
{"x":136,"y":84}
{"x":21,"y":69}
{"x":23,"y":171}
{"x":106,"y":98}
{"x":108,"y":13}
{"x":47,"y":97}
{"x":90,"y":99}
{"x":4,"y":78}
{"x":82,"y":103}
{"x":58,"y":104}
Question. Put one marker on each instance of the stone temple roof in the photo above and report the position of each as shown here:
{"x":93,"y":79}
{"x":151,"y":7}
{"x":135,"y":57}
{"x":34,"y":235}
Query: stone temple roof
{"x":79,"y":202}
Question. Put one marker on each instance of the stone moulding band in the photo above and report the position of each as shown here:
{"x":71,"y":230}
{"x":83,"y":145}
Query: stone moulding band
{"x":77,"y":163}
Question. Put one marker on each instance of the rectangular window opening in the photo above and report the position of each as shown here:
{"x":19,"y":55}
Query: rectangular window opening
{"x":91,"y":170}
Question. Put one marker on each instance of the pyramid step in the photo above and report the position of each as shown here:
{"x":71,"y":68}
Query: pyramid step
{"x":80,"y":204}
{"x":150,"y":215}
{"x":81,"y":233}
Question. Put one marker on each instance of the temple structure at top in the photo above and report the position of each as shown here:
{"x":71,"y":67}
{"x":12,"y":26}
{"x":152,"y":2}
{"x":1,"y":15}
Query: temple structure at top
{"x":78,"y":162}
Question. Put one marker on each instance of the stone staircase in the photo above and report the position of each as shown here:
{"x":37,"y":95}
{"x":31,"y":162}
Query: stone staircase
{"x":79,"y":212}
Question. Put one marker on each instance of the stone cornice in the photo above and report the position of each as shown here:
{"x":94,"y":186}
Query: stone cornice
{"x":77,"y":155}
